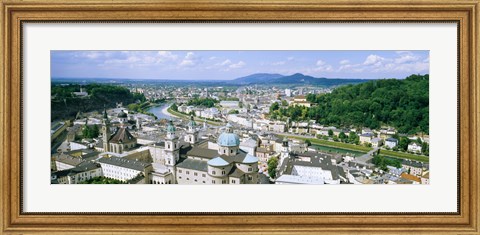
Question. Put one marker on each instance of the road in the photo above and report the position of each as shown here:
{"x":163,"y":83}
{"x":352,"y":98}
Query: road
{"x":366,"y":157}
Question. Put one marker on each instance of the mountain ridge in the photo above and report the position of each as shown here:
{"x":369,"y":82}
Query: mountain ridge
{"x":296,"y":78}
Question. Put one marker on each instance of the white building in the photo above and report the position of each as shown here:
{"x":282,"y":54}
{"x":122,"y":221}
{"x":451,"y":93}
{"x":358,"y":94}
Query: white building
{"x":391,"y":142}
{"x":123,"y":169}
{"x":414,"y":148}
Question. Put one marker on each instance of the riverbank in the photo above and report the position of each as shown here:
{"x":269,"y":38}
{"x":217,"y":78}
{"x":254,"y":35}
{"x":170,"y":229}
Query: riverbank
{"x":170,"y":111}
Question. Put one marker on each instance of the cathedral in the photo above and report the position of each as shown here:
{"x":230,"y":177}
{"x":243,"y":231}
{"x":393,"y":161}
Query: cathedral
{"x":187,"y":160}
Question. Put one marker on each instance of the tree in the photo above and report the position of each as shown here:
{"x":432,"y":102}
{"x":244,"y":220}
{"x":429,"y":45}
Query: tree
{"x":353,"y":138}
{"x":330,"y":133}
{"x":284,"y":103}
{"x":272,"y":164}
{"x":233,"y":111}
{"x":274,"y":107}
{"x":174,"y":107}
{"x":342,"y":136}
{"x":403,"y":143}
{"x":307,"y":141}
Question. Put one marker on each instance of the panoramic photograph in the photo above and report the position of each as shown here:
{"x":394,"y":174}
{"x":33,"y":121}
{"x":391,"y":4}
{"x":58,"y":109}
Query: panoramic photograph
{"x":240,"y":117}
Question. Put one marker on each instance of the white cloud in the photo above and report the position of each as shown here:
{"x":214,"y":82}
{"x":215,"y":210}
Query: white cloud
{"x":406,"y":58}
{"x":190,"y":60}
{"x":166,"y":55}
{"x":322,"y":66}
{"x":374,"y":60}
{"x":225,"y":62}
{"x":238,"y":65}
{"x":320,"y":62}
{"x":345,"y":62}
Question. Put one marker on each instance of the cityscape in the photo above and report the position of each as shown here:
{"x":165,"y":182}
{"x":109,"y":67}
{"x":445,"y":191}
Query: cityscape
{"x":240,"y":117}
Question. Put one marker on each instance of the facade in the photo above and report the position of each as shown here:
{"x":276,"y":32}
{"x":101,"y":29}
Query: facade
{"x":391,"y":142}
{"x":376,"y":142}
{"x":122,"y":140}
{"x":414,"y":148}
{"x":227,"y":165}
{"x":366,"y":138}
{"x":78,"y":174}
{"x":123,"y":169}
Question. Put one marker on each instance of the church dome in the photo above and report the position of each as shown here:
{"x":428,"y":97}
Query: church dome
{"x":122,"y":114}
{"x":192,"y":122}
{"x":218,"y":161}
{"x":171,"y":127}
{"x":228,"y":138}
{"x":249,"y":159}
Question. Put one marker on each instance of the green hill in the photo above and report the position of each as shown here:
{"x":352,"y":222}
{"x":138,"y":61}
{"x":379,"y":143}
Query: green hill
{"x":65,"y":105}
{"x":401,"y":103}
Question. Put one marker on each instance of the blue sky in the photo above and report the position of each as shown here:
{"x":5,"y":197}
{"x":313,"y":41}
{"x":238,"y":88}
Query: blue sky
{"x":226,"y":65}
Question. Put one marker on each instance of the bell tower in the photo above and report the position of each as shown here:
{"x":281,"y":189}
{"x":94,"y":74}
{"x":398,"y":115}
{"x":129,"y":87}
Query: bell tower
{"x":105,"y":131}
{"x":172,"y":148}
{"x":192,"y":133}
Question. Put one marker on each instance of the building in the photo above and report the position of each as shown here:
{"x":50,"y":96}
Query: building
{"x":391,"y":142}
{"x":366,"y":138}
{"x":82,"y":172}
{"x":124,"y":169}
{"x":414,"y":148}
{"x":57,"y":129}
{"x":227,"y":165}
{"x":376,"y":142}
{"x":122,"y":140}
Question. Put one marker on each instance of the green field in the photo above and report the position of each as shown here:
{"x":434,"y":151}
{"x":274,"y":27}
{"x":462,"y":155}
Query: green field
{"x":184,"y":116}
{"x":364,"y":149}
{"x":404,"y":155}
{"x":335,"y":144}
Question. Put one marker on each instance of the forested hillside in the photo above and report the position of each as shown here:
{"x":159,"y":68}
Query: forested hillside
{"x":402,"y":104}
{"x":66,"y":105}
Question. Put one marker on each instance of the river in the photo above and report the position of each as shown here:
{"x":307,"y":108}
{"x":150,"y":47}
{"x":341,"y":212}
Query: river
{"x":161,"y":111}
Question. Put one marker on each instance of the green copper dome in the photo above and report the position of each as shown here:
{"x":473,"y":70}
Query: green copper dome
{"x":171,"y":127}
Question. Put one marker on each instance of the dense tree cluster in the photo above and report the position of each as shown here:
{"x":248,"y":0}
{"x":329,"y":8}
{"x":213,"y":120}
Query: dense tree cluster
{"x":90,"y":131}
{"x":207,"y":102}
{"x":402,"y":104}
{"x":382,"y":162}
{"x":66,"y":105}
{"x":272,"y":167}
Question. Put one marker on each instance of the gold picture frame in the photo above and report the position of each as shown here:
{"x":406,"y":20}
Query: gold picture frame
{"x":14,"y":12}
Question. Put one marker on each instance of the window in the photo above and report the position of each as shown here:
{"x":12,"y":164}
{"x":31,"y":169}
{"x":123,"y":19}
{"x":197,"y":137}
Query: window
{"x":250,"y":169}
{"x":213,"y":172}
{"x":233,"y":181}
{"x":195,"y":174}
{"x":188,"y":172}
{"x":179,"y":177}
{"x":188,"y":178}
{"x":203,"y":175}
{"x":224,"y":151}
{"x":223,"y":172}
{"x":213,"y":181}
{"x":203,"y":181}
{"x":224,"y":181}
{"x":250,"y":177}
{"x":231,"y":150}
{"x":179,"y":171}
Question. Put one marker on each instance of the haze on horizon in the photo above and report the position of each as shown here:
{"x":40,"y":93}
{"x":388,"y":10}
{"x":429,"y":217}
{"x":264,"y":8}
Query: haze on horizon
{"x":228,"y":65}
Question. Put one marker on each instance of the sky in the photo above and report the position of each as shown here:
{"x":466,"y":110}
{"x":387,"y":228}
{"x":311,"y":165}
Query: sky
{"x":227,"y":65}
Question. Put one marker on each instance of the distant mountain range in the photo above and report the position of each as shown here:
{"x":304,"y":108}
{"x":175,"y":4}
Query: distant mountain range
{"x":298,"y":78}
{"x":257,"y":78}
